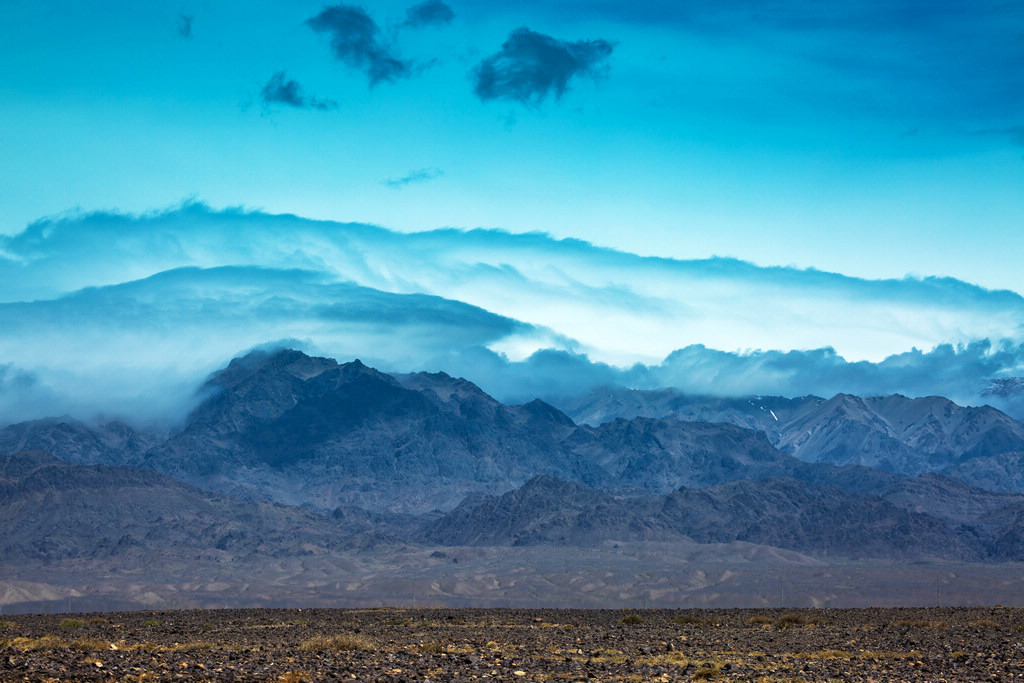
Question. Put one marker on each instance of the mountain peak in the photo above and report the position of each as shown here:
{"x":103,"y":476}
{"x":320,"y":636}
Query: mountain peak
{"x":260,"y":361}
{"x":357,"y":369}
{"x":538,"y":410}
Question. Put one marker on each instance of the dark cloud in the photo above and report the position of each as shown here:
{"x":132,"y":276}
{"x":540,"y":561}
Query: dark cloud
{"x":417,"y":176}
{"x":428,"y":13}
{"x":185,"y":25}
{"x":282,"y":90}
{"x":356,"y":41}
{"x":531,"y":65}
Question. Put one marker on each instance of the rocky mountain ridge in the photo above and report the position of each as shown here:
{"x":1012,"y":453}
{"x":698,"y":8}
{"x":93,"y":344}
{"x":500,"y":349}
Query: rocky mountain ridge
{"x":52,"y":510}
{"x":428,"y":458}
{"x":893,"y":433}
{"x":296,"y":430}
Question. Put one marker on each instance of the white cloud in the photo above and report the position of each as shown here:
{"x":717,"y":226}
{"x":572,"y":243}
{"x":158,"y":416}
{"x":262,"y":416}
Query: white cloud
{"x":621,"y":308}
{"x":102,"y":304}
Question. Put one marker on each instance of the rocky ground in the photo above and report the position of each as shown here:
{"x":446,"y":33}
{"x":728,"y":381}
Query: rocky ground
{"x":937,"y":644}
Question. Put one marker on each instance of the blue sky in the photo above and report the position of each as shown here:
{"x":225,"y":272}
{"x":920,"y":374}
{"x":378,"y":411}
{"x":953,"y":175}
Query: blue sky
{"x":875,"y":138}
{"x":742,"y":143}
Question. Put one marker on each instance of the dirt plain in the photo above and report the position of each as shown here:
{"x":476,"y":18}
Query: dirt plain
{"x":932,"y":644}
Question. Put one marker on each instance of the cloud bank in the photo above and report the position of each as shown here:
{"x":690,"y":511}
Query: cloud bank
{"x":530,"y":66}
{"x":620,"y":308}
{"x":357,"y":42}
{"x":136,"y":350}
{"x":970,"y":374}
{"x":177,"y":293}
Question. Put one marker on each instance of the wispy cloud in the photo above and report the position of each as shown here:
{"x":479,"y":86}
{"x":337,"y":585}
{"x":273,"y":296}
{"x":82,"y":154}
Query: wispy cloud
{"x":357,"y":41}
{"x":282,"y":90}
{"x":530,"y":66}
{"x":184,"y":25}
{"x":418,"y":176}
{"x":429,"y":13}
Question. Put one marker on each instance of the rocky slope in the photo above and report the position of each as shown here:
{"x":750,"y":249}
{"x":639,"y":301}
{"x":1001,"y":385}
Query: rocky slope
{"x":303,"y":430}
{"x":893,"y":433}
{"x":543,"y":511}
{"x":782,"y":513}
{"x":52,"y":510}
{"x":900,"y":434}
{"x":109,"y":443}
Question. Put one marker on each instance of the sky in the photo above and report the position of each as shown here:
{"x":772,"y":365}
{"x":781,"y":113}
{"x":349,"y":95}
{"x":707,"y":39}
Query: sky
{"x":773,"y":197}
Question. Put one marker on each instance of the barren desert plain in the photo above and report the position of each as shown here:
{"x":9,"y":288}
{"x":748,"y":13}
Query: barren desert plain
{"x":442,"y":644}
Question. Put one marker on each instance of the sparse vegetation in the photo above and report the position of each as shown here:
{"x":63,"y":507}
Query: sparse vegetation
{"x":632,"y":620}
{"x":341,"y":641}
{"x":918,"y":623}
{"x":826,"y":654}
{"x":89,"y":645}
{"x":689,"y":620}
{"x":759,"y":620}
{"x":72,"y":623}
{"x":295,"y":677}
{"x":187,"y":647}
{"x":983,"y":623}
{"x":270,"y":646}
{"x":43,"y":643}
{"x":790,"y":619}
{"x":707,"y":673}
{"x":433,"y":648}
{"x":151,"y":622}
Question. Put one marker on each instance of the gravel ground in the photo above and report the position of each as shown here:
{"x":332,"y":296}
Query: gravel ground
{"x":938,"y":644}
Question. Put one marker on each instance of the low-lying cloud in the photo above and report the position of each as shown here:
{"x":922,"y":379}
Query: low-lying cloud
{"x":530,"y":66}
{"x":282,"y":90}
{"x":177,"y":293}
{"x":99,"y":349}
{"x":356,"y":41}
{"x":618,"y":307}
{"x":972,"y":374}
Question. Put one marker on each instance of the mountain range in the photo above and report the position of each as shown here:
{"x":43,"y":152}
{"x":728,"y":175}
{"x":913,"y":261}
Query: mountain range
{"x":894,"y":433}
{"x":288,"y":455}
